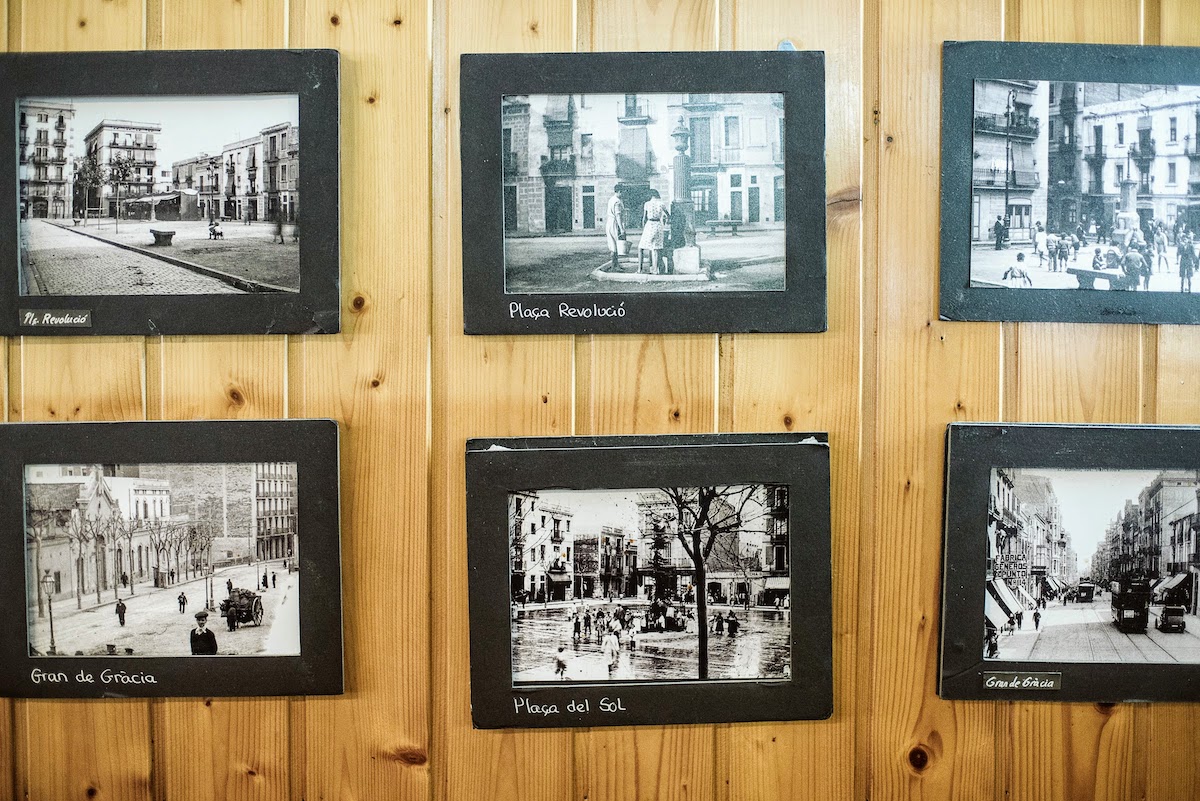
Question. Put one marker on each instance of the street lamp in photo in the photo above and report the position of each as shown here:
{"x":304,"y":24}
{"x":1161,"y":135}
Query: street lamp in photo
{"x":47,"y":582}
{"x":1009,"y":111}
{"x":214,"y":165}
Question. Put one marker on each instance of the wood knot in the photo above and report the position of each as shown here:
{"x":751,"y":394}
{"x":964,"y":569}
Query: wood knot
{"x":1105,"y":708}
{"x":398,"y":21}
{"x":675,"y":413}
{"x":371,"y":99}
{"x":787,"y":422}
{"x":890,"y":139}
{"x":918,"y":757}
{"x":335,"y":20}
{"x":208,"y":702}
{"x":236,"y":398}
{"x":375,"y":382}
{"x":83,"y":23}
{"x":545,"y":399}
{"x":409,"y":756}
{"x":533,"y":26}
{"x":251,"y":772}
{"x":359,"y":303}
{"x":92,"y":792}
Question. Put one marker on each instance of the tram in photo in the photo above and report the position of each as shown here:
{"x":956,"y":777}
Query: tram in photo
{"x":1131,"y":604}
{"x":1085,"y":592}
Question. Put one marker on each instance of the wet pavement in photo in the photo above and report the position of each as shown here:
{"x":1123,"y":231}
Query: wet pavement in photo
{"x":759,"y":651}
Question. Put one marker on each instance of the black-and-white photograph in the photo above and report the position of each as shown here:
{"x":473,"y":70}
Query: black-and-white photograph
{"x":138,"y":548}
{"x":664,"y":584}
{"x":669,"y":192}
{"x":1070,"y":570}
{"x":644,"y":192}
{"x":1092,"y":566}
{"x":159,"y":195}
{"x":162,"y":559}
{"x":1081,"y":185}
{"x":641,"y":580}
{"x":161,"y":192}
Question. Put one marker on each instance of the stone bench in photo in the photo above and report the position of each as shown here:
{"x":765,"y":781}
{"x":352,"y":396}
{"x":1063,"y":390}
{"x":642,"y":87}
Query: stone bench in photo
{"x":717,"y":225}
{"x":1087,"y":278}
{"x":162,"y":238}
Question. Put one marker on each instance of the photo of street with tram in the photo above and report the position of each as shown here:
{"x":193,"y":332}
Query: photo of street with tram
{"x":1132,"y":599}
{"x":159,"y":195}
{"x":1080,"y":185}
{"x":668,"y":584}
{"x":643,"y":192}
{"x":156,"y":560}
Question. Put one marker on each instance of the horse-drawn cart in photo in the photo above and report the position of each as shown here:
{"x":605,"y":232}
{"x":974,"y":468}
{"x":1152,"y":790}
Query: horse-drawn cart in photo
{"x":245,"y":605}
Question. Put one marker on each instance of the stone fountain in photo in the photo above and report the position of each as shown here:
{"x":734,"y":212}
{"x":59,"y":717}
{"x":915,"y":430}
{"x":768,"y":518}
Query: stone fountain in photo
{"x":686,"y":264}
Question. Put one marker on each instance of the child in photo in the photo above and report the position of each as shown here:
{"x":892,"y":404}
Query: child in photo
{"x":1016,"y":275}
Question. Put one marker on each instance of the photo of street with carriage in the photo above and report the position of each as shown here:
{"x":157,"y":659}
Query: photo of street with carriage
{"x":193,"y":195}
{"x":654,"y":192}
{"x":1079,"y":185}
{"x":154,"y":560}
{"x":1133,"y":598}
{"x":650,"y":585}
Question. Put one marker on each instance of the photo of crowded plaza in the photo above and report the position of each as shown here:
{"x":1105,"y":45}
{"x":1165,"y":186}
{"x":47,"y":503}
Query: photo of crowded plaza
{"x":1085,"y":186}
{"x":669,"y":584}
{"x":159,"y":195}
{"x":162,"y":560}
{"x":1134,"y":598}
{"x":652,"y":192}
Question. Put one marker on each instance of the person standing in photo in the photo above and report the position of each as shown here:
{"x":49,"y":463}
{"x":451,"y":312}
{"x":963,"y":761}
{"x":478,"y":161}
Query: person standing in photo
{"x":182,"y":603}
{"x":998,"y":231}
{"x":1163,"y":264}
{"x":1039,"y":242}
{"x":654,"y":231}
{"x":560,"y":663}
{"x":733,"y":623}
{"x":121,"y":611}
{"x":614,"y":228}
{"x":273,"y":581}
{"x":1187,"y":262}
{"x":1037,"y":620}
{"x":611,"y":649}
{"x":719,"y":624}
{"x":203,"y":641}
{"x":1016,"y":275}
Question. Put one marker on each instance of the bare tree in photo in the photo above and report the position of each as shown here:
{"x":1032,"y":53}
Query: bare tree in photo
{"x":520,"y":507}
{"x":727,"y":554}
{"x":160,"y":533}
{"x":41,"y":522}
{"x":81,"y":533}
{"x":699,"y":516}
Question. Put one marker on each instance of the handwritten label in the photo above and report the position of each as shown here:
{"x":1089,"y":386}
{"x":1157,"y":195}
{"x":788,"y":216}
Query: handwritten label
{"x":565,"y":311}
{"x":57,"y":318}
{"x":576,"y":706}
{"x":106,"y":676}
{"x":1022,"y":681}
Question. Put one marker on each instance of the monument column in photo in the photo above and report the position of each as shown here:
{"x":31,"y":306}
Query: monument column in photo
{"x":683,"y":215}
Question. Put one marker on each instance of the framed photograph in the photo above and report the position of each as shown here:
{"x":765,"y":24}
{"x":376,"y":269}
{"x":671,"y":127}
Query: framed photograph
{"x":609,"y":193}
{"x":1071,"y":563}
{"x":1070,"y":183}
{"x":162,"y":192}
{"x":170,"y":559}
{"x":649,"y":580}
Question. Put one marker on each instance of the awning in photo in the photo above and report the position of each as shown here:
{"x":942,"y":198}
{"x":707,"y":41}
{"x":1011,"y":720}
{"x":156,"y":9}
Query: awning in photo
{"x":993,"y":612}
{"x":778,"y":583}
{"x":1026,"y":596}
{"x":1008,"y":596}
{"x":1004,"y":598}
{"x":1173,"y":582}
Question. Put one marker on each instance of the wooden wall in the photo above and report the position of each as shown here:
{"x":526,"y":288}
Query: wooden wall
{"x":409,"y":388}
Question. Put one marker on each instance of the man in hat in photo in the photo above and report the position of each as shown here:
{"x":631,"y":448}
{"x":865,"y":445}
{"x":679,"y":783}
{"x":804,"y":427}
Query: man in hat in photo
{"x":204,"y":642}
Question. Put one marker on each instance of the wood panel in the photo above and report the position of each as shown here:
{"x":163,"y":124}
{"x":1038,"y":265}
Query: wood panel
{"x":408,"y":389}
{"x":1064,"y":374}
{"x":929,"y":373}
{"x":219,"y":748}
{"x":804,"y":383}
{"x":647,"y":385}
{"x":81,"y":379}
{"x":373,"y":378}
{"x":483,"y":386}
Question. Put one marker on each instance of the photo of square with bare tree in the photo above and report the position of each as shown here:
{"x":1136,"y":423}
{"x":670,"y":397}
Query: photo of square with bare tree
{"x":193,"y":195}
{"x":1093,"y":566}
{"x":1080,"y":185}
{"x":153,"y":560}
{"x":645,"y":585}
{"x":658,"y":192}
